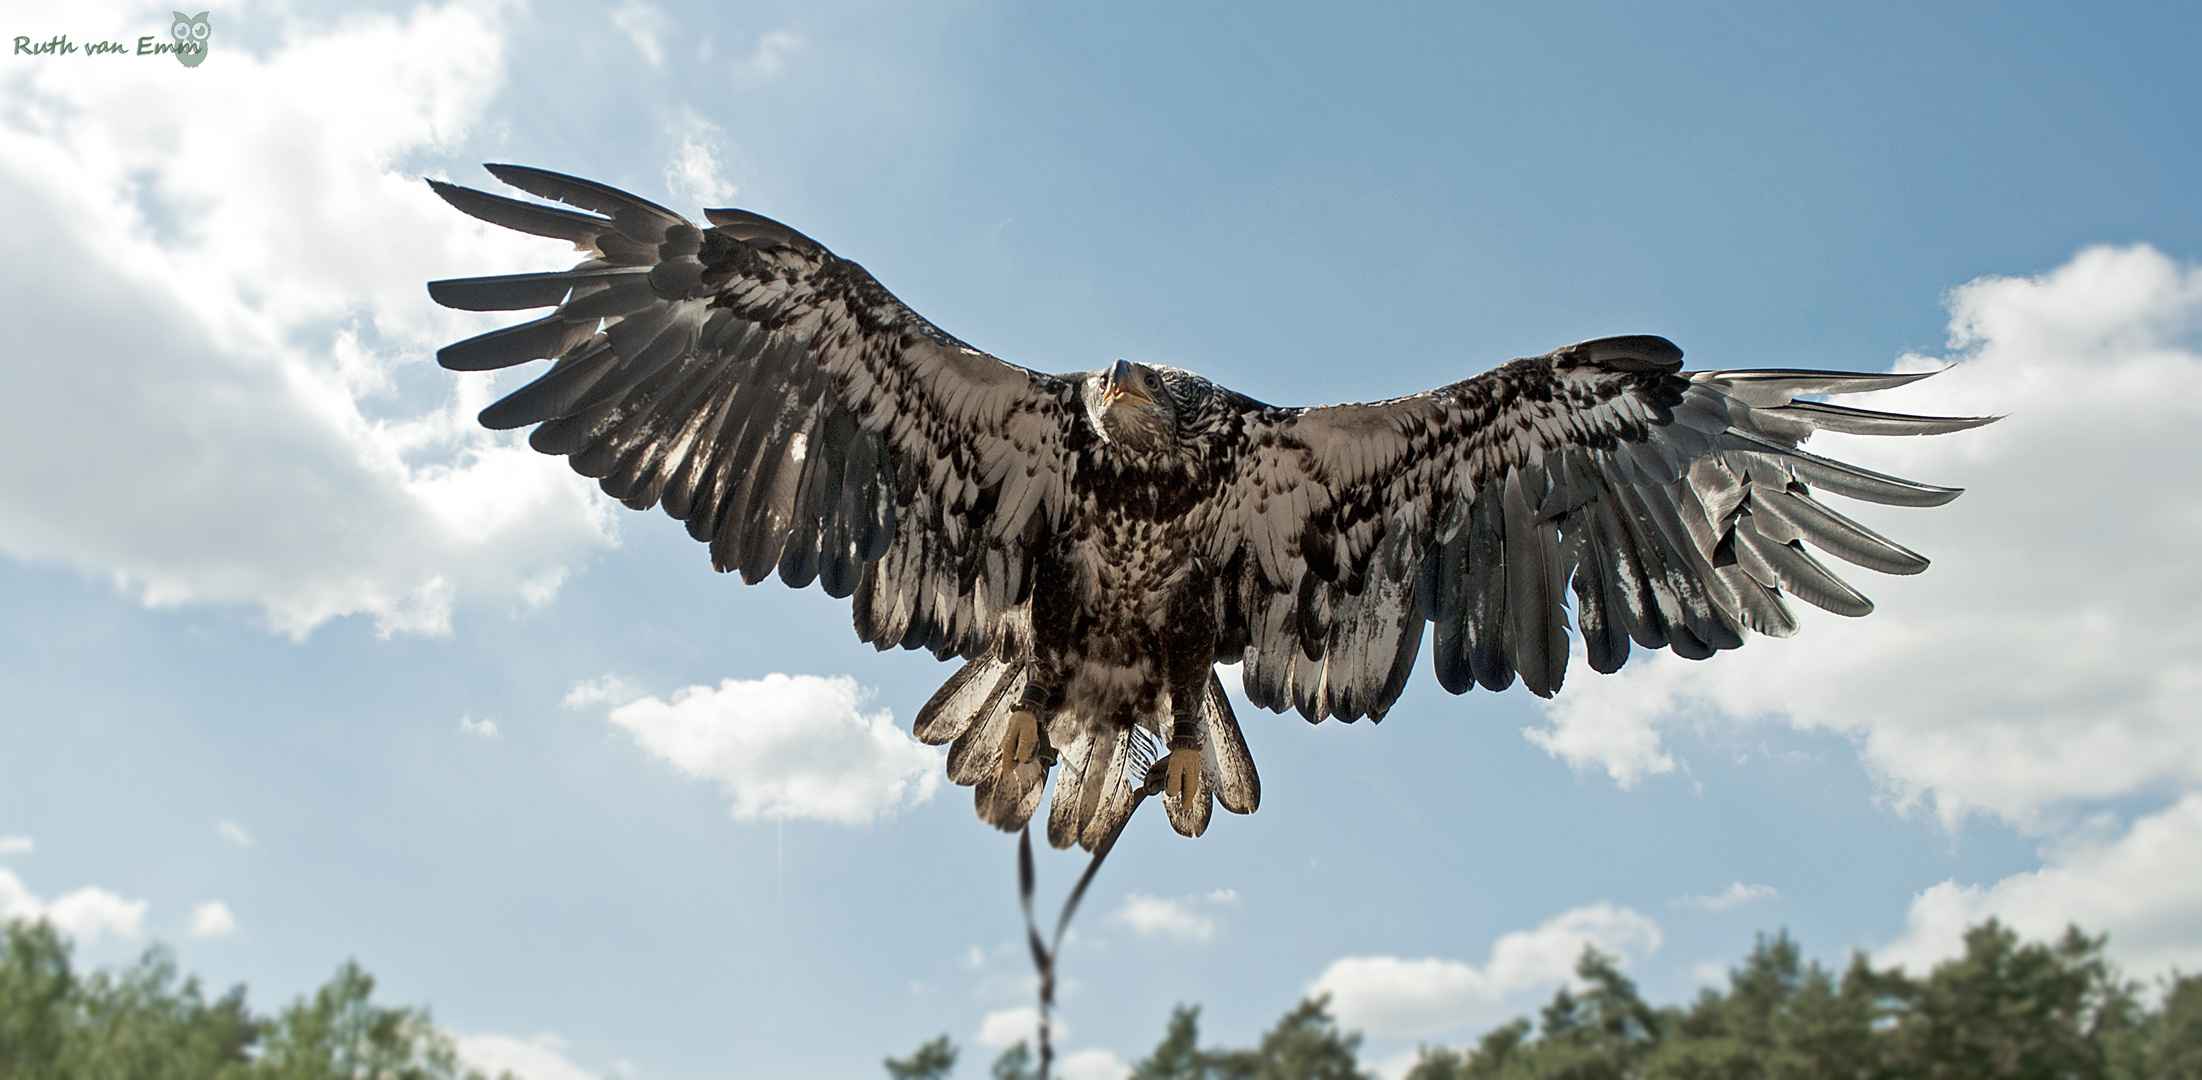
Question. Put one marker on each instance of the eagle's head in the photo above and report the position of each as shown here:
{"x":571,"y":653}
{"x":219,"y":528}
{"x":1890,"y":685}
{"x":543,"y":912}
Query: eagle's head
{"x":1134,"y":408}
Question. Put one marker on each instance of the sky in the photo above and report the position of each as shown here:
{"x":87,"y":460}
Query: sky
{"x":297,"y":664}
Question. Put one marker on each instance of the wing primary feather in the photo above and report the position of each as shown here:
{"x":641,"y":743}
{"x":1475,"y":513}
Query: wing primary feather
{"x":1843,"y":478}
{"x":1604,"y":639}
{"x":580,"y":230}
{"x":554,"y":394}
{"x":1486,"y":597}
{"x":1771,"y":387}
{"x":546,"y":338}
{"x":1851,"y":421}
{"x":1835,"y":534}
{"x":818,"y":498}
{"x":1529,"y":571}
{"x":586,"y":194}
{"x":1448,"y":566}
{"x":515,"y":292}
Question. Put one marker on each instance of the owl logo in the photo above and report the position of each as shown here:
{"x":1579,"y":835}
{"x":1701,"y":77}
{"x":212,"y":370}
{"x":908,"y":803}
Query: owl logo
{"x":190,"y":32}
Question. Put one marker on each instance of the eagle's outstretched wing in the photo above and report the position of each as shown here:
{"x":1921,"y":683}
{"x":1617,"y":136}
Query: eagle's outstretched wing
{"x":1676,"y":505}
{"x":779,"y":401}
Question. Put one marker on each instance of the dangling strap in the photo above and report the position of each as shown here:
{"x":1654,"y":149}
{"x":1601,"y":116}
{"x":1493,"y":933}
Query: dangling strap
{"x":1044,"y":953}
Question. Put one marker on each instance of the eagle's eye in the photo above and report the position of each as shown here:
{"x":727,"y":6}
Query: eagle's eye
{"x":1153,"y":382}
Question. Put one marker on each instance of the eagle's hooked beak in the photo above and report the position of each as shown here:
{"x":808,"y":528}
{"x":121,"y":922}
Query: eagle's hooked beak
{"x":1124,"y":383}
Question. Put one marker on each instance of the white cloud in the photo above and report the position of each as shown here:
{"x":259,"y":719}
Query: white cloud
{"x":695,"y":172}
{"x":17,"y":845}
{"x":2037,"y":663}
{"x":605,"y":690}
{"x":87,"y":914}
{"x":1156,"y":916}
{"x":2144,"y":887}
{"x":1734,"y":896}
{"x":1093,"y":1064}
{"x":486,"y":729}
{"x":1608,"y":722}
{"x":1387,"y":995}
{"x":235,"y":834}
{"x":235,"y":435}
{"x":540,"y":1058}
{"x":1004,"y":1028}
{"x":1179,"y":918}
{"x":644,"y":24}
{"x":789,"y":746}
{"x":212,"y":920}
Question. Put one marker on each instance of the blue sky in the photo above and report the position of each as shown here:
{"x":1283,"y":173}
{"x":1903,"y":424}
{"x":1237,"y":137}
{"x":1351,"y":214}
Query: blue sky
{"x":297,"y":665}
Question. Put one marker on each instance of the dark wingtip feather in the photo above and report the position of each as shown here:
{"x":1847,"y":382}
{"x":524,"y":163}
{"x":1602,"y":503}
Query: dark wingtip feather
{"x":507,"y":292}
{"x":574,"y":191}
{"x":542,"y":339}
{"x":557,"y":223}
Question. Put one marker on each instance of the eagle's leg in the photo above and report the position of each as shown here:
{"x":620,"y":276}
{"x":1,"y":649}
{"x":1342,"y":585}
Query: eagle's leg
{"x":1182,"y":770}
{"x":1026,"y":736}
{"x":1189,"y":646}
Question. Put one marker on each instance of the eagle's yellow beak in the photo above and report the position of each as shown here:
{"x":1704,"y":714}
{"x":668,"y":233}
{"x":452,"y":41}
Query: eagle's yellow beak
{"x":1124,"y":383}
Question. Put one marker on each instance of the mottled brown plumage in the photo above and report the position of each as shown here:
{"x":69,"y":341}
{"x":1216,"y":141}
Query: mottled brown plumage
{"x":1094,"y":543}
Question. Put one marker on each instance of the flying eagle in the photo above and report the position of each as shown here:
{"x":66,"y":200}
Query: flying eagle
{"x":1093,"y":544}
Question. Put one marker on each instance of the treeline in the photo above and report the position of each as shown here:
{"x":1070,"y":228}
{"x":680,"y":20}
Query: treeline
{"x":2005,"y":1010}
{"x":144,"y":1023}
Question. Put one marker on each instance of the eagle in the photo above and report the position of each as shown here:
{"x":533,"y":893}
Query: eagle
{"x":1093,"y":544}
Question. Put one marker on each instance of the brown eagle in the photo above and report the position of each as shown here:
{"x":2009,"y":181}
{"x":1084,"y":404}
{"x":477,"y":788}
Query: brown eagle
{"x":1093,"y":544}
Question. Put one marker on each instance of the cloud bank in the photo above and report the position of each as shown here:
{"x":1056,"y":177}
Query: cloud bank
{"x":540,"y":1058}
{"x":212,"y":356}
{"x":2046,"y":662}
{"x":87,"y":914}
{"x":2041,"y":660}
{"x":784,"y":746}
{"x":1388,"y":995}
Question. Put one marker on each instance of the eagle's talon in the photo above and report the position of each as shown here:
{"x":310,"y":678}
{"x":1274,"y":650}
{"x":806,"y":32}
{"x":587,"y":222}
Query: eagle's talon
{"x":1183,"y":779}
{"x":1024,"y":738}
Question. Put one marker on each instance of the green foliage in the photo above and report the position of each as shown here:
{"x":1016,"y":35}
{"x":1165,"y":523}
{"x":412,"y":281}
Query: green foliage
{"x":2006,"y":1008}
{"x":1014,"y":1064}
{"x":2170,"y":1042}
{"x":1178,"y":1056}
{"x":1448,"y":1063}
{"x":1305,"y":1044}
{"x":142,"y":1023}
{"x":1780,"y":1019}
{"x":36,"y":991}
{"x":340,"y":1032}
{"x":932,"y":1061}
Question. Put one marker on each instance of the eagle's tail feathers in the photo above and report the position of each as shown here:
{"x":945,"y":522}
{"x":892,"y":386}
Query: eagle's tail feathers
{"x":1074,"y":741}
{"x":1007,"y":800}
{"x":1003,"y":800}
{"x":1102,"y":769}
{"x":1114,"y":786}
{"x":976,"y":689}
{"x":976,"y":752}
{"x":1225,"y":762}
